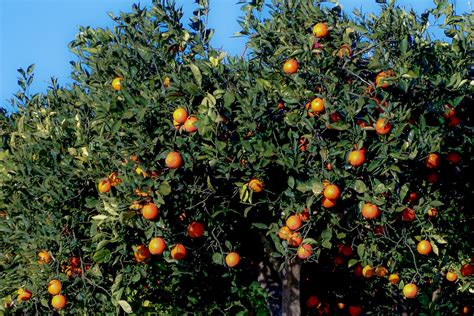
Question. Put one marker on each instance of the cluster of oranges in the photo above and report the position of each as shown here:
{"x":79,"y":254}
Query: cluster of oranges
{"x":290,"y":233}
{"x":181,"y":120}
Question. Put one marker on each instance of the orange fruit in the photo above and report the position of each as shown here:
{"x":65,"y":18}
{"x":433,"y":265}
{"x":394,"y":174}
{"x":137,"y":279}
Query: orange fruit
{"x":412,"y":197}
{"x":58,"y":301}
{"x":408,"y":215}
{"x":394,"y":278}
{"x":312,"y":301}
{"x":381,"y":271}
{"x":355,"y":310}
{"x":104,"y":186}
{"x":232,"y":259}
{"x":380,"y":80}
{"x":150,"y":211}
{"x":303,"y":144}
{"x":173,"y":160}
{"x":454,"y":121}
{"x":157,"y":246}
{"x":23,"y":295}
{"x":432,"y":212}
{"x":304,"y":216}
{"x":451,"y":276}
{"x":344,"y":50}
{"x":189,"y":124}
{"x":44,"y":257}
{"x":195,"y":230}
{"x":382,"y":127}
{"x":370,"y":211}
{"x":295,"y":239}
{"x":304,"y":251}
{"x":338,"y":260}
{"x":450,"y":112}
{"x":280,"y":105}
{"x":176,"y":125}
{"x":142,"y":254}
{"x":327,"y":203}
{"x":320,"y":30}
{"x":432,"y":161}
{"x":180,"y":115}
{"x":54,"y":287}
{"x":358,"y":270}
{"x":332,"y":192}
{"x":345,"y":250}
{"x":307,"y":107}
{"x":117,"y":83}
{"x":356,"y":158}
{"x":423,"y":247}
{"x":290,"y":66}
{"x":294,"y":222}
{"x":75,"y":261}
{"x":284,"y":232}
{"x":410,"y":290}
{"x":467,"y":270}
{"x":317,"y":105}
{"x":167,"y":82}
{"x":256,"y":185}
{"x":178,"y":252}
{"x":341,"y":305}
{"x":453,"y":158}
{"x":368,"y":271}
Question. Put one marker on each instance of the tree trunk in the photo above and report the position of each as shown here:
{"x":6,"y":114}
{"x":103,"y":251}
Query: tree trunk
{"x":291,"y":305}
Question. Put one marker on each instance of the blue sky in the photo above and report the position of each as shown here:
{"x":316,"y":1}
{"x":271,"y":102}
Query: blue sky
{"x":38,"y":31}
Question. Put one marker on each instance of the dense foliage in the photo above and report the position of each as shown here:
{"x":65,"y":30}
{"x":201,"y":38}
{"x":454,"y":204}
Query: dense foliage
{"x":81,"y":165}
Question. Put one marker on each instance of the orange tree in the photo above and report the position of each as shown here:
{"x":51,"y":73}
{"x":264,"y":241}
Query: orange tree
{"x":327,"y":172}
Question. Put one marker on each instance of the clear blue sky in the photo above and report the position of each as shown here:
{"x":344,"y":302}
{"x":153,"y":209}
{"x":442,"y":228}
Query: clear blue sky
{"x":38,"y":31}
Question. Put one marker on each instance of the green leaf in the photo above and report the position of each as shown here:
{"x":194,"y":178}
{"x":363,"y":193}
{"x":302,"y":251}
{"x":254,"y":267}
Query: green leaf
{"x":125,"y":306}
{"x":197,"y":74}
{"x":291,"y":182}
{"x":359,"y":186}
{"x":164,"y":188}
{"x":361,"y":250}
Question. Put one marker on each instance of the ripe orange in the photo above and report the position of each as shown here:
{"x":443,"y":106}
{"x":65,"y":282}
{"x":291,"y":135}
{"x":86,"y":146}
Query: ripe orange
{"x":58,"y":301}
{"x":142,"y":254}
{"x":454,"y":121}
{"x":338,"y":260}
{"x":423,"y":247}
{"x":332,"y":192}
{"x":176,"y":125}
{"x":195,"y":230}
{"x":290,"y":66}
{"x":75,"y":261}
{"x":355,"y":310}
{"x":370,"y":211}
{"x":167,"y":82}
{"x":467,"y":270}
{"x":303,"y":144}
{"x":432,"y":161}
{"x":394,"y":278}
{"x":345,"y":250}
{"x":104,"y":186}
{"x":54,"y":287}
{"x":280,"y":105}
{"x":23,"y":295}
{"x":380,"y":80}
{"x":256,"y":185}
{"x":327,"y":203}
{"x":44,"y":257}
{"x":410,"y":290}
{"x":432,"y":212}
{"x":451,"y":276}
{"x":381,"y":271}
{"x":304,"y":251}
{"x":173,"y":160}
{"x":232,"y":259}
{"x":317,"y":105}
{"x":320,"y":30}
{"x":284,"y":232}
{"x":358,"y":270}
{"x":304,"y":216}
{"x":344,"y":50}
{"x":294,"y":222}
{"x":453,"y":158}
{"x":295,"y":239}
{"x":157,"y":246}
{"x":189,"y":124}
{"x":117,"y":83}
{"x":382,"y":127}
{"x":412,"y":197}
{"x":307,"y":107}
{"x":312,"y":301}
{"x":356,"y":158}
{"x":150,"y":211}
{"x":368,"y":271}
{"x":178,"y":252}
{"x":180,"y":115}
{"x":408,"y":215}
